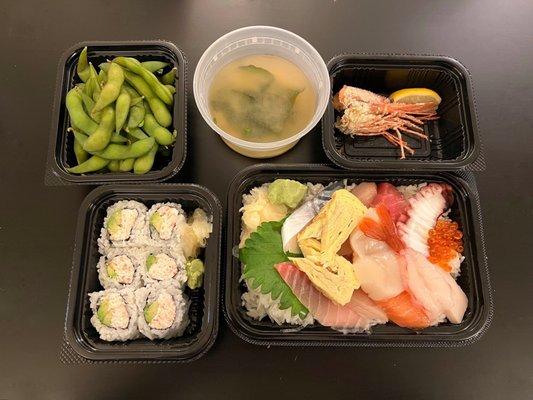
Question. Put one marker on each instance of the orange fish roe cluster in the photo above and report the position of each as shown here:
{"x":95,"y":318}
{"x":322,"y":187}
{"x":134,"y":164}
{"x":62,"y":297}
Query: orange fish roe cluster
{"x":445,"y":241}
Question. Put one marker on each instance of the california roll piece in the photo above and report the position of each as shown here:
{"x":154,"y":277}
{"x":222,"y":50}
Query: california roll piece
{"x":162,"y":311}
{"x":124,"y":226}
{"x":164,"y":266}
{"x":114,"y":314}
{"x":119,"y":269}
{"x":165,"y":221}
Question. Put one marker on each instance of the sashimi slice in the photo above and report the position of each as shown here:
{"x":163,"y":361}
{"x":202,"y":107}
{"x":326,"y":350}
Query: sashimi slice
{"x":365,"y":192}
{"x":403,"y":311}
{"x":434,"y":289}
{"x":383,"y":229}
{"x":377,"y":267}
{"x":357,"y":315}
{"x":421,"y":216}
{"x":388,"y":195}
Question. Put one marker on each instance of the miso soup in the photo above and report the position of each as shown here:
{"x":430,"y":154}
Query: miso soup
{"x":261,"y":98}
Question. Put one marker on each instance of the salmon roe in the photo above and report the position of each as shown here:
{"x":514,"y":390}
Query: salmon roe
{"x":445,"y":241}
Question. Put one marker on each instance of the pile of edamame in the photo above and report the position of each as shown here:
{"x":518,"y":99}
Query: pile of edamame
{"x":120,"y":115}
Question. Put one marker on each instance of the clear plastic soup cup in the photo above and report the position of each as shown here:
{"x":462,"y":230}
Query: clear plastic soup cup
{"x":264,"y":40}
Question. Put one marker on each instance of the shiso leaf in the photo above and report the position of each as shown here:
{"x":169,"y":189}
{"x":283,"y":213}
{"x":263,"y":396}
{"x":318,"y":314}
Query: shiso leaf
{"x":261,"y":252}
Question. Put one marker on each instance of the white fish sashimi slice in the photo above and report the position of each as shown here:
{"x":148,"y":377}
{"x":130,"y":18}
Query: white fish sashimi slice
{"x":365,"y":192}
{"x":300,"y":217}
{"x":434,"y":289}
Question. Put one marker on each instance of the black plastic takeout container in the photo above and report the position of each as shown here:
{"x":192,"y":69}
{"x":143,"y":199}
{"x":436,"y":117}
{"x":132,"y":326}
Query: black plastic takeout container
{"x":474,"y":279}
{"x":453,"y":138}
{"x":203,"y":313}
{"x":61,"y":153}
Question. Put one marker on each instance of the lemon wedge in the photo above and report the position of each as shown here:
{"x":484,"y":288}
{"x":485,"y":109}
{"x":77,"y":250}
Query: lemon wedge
{"x":415,"y":95}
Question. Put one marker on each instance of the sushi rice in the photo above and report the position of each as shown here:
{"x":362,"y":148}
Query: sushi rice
{"x":126,"y":243}
{"x":171,"y":315}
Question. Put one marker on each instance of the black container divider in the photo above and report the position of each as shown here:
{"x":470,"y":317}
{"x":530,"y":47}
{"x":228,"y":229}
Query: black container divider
{"x":82,"y":343}
{"x":453,"y":143}
{"x":60,"y":149}
{"x":474,"y":278}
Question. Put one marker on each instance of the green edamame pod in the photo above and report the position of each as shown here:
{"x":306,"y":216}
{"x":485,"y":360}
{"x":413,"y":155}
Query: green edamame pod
{"x":79,"y":136}
{"x":126,"y":165}
{"x":136,"y":116}
{"x":121,"y":152}
{"x":118,"y":138}
{"x":137,"y":134}
{"x":136,"y":100}
{"x":94,"y":163}
{"x":160,"y":111}
{"x":88,"y":105}
{"x":171,"y":88}
{"x":77,"y":115}
{"x":160,"y":134}
{"x":133,"y":93}
{"x":122,"y":108}
{"x":145,"y":163}
{"x":100,"y":138}
{"x":169,"y":77}
{"x":102,"y":77}
{"x":82,"y":68}
{"x":114,"y":165}
{"x":104,"y":66}
{"x":81,"y":155}
{"x":111,"y":89}
{"x":154,"y":66}
{"x":135,"y":66}
{"x":94,"y":84}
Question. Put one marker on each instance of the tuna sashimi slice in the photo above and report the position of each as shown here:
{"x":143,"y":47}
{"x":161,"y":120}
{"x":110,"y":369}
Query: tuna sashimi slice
{"x":421,"y":215}
{"x":357,"y":315}
{"x":434,"y":289}
{"x":391,"y":198}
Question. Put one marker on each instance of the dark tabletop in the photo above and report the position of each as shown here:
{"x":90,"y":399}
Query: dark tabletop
{"x":492,"y":38}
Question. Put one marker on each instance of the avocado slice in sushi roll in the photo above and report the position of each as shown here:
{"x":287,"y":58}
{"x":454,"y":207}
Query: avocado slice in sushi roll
{"x":161,"y":266}
{"x":165,"y":218}
{"x":112,"y":311}
{"x":161,"y":313}
{"x":120,"y":223}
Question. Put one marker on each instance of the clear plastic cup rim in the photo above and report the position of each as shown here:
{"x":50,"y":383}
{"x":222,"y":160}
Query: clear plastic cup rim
{"x":322,"y":101}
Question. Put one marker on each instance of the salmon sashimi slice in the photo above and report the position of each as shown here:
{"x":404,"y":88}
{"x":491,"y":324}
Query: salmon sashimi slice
{"x":434,"y":289}
{"x":356,"y":316}
{"x":384,"y":229}
{"x":404,"y":311}
{"x":391,"y":197}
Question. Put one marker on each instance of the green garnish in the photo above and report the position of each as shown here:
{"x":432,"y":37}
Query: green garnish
{"x":261,"y":252}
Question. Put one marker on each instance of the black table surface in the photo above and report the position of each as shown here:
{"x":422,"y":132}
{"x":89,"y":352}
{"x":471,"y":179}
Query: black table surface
{"x":37,"y":223}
